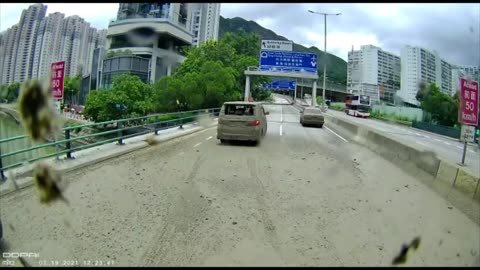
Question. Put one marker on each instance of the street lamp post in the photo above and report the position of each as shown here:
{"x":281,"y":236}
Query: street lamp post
{"x":324,"y":51}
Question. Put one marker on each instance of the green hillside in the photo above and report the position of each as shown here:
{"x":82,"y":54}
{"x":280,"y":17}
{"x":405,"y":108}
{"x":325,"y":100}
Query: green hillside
{"x":336,"y":66}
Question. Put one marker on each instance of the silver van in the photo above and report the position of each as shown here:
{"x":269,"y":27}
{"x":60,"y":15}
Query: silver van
{"x":242,"y":121}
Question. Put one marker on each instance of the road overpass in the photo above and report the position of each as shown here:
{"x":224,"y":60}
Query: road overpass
{"x":303,"y":196}
{"x":334,"y":92}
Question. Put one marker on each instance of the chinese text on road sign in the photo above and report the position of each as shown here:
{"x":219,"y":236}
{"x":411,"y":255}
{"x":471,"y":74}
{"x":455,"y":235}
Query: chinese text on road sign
{"x":468,"y":114}
{"x":56,"y":80}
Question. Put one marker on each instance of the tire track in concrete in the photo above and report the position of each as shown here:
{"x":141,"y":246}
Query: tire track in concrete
{"x":182,"y":222}
{"x":263,"y":208}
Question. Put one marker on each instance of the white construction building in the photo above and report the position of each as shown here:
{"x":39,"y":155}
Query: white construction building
{"x":205,"y":22}
{"x":154,"y":34}
{"x":420,"y":65}
{"x":373,"y":72}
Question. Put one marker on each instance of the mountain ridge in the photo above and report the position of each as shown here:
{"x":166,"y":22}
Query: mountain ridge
{"x":336,"y":66}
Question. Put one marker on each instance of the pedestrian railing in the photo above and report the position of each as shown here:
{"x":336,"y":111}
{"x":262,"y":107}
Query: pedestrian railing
{"x":104,"y":132}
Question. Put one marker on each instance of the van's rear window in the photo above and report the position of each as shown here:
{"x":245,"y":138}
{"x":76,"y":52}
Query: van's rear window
{"x":233,"y":109}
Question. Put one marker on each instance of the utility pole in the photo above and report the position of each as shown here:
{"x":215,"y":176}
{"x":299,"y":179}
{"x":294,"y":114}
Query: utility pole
{"x":324,"y":50}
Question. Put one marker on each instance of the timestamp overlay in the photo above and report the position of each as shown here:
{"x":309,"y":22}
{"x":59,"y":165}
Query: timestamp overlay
{"x":76,"y":263}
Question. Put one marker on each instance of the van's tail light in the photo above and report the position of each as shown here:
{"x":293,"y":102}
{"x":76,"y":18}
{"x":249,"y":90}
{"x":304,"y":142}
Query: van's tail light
{"x":256,"y":123}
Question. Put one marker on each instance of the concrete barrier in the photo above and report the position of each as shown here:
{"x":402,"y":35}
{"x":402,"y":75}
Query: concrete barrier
{"x":412,"y":160}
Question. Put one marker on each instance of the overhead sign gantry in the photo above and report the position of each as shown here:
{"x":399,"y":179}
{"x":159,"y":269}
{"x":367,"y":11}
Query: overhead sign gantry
{"x":286,"y":64}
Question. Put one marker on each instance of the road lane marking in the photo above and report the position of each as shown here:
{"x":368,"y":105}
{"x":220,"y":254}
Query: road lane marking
{"x":209,"y":138}
{"x":421,"y":143}
{"x":418,"y":134}
{"x":447,"y":143}
{"x":426,"y":136}
{"x":471,"y":151}
{"x":437,"y":140}
{"x":197,"y":144}
{"x":281,"y":121}
{"x":281,"y":114}
{"x":459,"y":147}
{"x":335,"y":133}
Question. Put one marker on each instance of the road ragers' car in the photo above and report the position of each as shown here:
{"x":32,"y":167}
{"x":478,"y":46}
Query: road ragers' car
{"x":312,"y":116}
{"x":242,"y":121}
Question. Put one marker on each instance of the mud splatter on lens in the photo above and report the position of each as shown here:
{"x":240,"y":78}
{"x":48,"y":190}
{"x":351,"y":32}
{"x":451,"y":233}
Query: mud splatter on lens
{"x":36,"y":111}
{"x":401,"y":258}
{"x":151,"y":140}
{"x":46,"y":180}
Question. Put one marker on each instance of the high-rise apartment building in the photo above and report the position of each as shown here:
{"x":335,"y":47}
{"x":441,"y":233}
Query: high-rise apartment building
{"x":102,"y":38}
{"x":47,"y":44}
{"x":154,"y":33}
{"x":373,"y":72}
{"x":420,"y":65}
{"x":205,"y":22}
{"x":29,"y":48}
{"x":27,"y":36}
{"x":8,"y":54}
{"x":463,"y":71}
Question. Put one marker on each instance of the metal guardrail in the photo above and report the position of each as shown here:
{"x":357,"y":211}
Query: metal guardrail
{"x":442,"y":130}
{"x":146,"y":124}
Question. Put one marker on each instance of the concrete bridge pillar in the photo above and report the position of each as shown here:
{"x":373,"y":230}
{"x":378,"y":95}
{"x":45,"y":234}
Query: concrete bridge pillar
{"x":314,"y":93}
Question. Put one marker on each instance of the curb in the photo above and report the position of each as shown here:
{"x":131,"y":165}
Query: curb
{"x":26,"y":181}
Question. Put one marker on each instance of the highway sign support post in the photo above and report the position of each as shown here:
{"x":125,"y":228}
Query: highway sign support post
{"x":467,"y":135}
{"x":464,"y":154}
{"x":468,"y":112}
{"x":295,"y":93}
{"x":247,"y":88}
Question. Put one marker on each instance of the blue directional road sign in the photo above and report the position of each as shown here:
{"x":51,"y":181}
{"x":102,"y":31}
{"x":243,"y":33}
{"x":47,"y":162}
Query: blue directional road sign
{"x":288,"y":61}
{"x":280,"y":85}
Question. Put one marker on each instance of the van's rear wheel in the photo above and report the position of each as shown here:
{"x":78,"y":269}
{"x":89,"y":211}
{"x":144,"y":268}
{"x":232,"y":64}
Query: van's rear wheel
{"x":222,"y":141}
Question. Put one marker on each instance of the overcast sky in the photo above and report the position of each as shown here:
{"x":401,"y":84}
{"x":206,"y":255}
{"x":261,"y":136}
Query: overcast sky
{"x":450,"y":29}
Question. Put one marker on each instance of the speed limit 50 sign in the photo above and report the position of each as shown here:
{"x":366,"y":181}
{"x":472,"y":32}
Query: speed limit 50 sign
{"x":56,"y":79}
{"x":468,"y":114}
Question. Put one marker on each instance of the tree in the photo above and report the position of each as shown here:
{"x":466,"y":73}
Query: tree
{"x":208,"y":87}
{"x":3,"y":93}
{"x":219,"y":82}
{"x":442,"y":107}
{"x":208,"y":51}
{"x":112,"y":53}
{"x":13,"y":91}
{"x":247,"y":44}
{"x":97,"y":107}
{"x":71,"y":88}
{"x":129,"y":97}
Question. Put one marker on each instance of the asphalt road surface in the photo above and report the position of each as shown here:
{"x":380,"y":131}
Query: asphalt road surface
{"x":302,"y":197}
{"x":448,"y":148}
